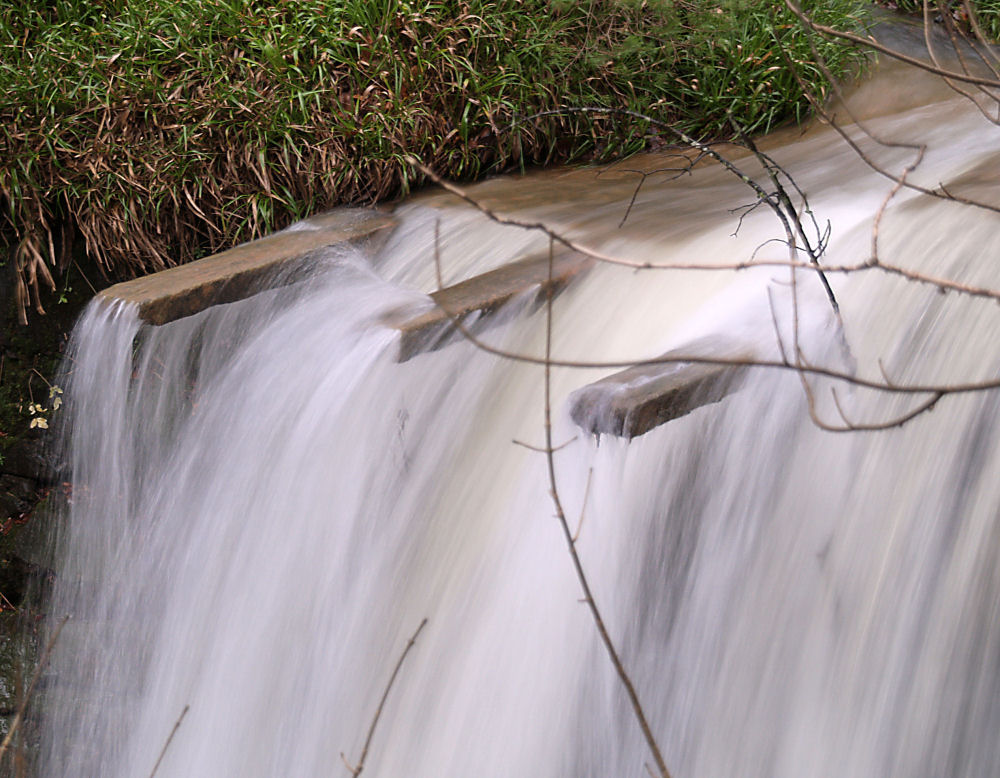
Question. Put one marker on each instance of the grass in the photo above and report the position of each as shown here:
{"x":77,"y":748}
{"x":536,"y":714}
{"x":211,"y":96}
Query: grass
{"x":153,"y":132}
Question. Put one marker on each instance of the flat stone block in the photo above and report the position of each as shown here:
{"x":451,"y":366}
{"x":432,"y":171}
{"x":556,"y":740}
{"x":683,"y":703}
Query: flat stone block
{"x":483,"y":295}
{"x":245,"y":270}
{"x":638,"y":399}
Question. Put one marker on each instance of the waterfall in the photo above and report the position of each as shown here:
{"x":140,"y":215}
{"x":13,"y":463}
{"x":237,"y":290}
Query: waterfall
{"x":266,"y":505}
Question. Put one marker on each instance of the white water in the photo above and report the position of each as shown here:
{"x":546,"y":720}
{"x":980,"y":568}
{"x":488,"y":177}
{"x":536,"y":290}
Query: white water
{"x":266,"y":506}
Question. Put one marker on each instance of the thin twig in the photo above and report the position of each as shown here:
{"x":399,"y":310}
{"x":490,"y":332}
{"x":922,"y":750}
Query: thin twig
{"x":644,"y":174}
{"x":356,"y":769}
{"x":885,"y":375}
{"x":170,"y":737}
{"x":12,"y":606}
{"x":880,"y":213}
{"x":777,"y":329}
{"x":42,"y":661}
{"x":898,"y":421}
{"x":583,"y":507}
{"x":785,"y":202}
{"x":547,"y":362}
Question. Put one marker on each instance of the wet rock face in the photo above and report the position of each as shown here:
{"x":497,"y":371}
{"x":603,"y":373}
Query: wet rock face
{"x":17,"y":497}
{"x":25,"y":480}
{"x":23,"y":474}
{"x":20,"y":578}
{"x":24,"y":460}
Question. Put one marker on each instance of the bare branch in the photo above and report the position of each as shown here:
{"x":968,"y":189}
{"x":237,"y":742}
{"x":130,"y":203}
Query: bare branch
{"x":920,"y":149}
{"x":602,"y":630}
{"x":885,"y":375}
{"x":799,"y":367}
{"x":791,"y":213}
{"x":967,"y":387}
{"x":900,"y":183}
{"x":777,"y":329}
{"x":943,"y":284}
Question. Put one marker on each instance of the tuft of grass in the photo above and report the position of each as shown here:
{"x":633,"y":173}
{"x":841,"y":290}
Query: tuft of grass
{"x":736,"y":64}
{"x":153,"y":132}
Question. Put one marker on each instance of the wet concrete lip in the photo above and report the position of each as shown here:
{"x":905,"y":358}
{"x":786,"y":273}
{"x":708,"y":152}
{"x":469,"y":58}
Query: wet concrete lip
{"x":247,"y":269}
{"x":475,"y":301}
{"x":643,"y":397}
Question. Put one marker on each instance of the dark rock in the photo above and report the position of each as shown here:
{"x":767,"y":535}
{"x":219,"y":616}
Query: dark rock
{"x":19,"y":578}
{"x":24,"y":459}
{"x":21,"y":490}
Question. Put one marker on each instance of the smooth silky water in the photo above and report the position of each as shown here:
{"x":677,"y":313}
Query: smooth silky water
{"x":266,"y":505}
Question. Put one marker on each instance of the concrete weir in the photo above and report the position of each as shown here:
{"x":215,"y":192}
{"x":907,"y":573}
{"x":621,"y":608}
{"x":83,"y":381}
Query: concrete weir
{"x":640,"y":398}
{"x":244,"y":270}
{"x":626,"y":404}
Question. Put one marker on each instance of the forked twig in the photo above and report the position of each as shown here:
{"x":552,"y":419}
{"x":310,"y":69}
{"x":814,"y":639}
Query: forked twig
{"x":644,"y":174}
{"x":542,"y":449}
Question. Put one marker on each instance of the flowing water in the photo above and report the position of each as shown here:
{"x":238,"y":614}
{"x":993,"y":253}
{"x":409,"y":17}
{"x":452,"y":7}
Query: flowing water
{"x":266,"y":505}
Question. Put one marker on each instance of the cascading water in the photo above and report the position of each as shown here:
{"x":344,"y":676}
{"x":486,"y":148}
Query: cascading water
{"x":266,"y":505}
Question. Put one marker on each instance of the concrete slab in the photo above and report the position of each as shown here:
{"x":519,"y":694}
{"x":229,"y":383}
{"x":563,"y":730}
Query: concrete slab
{"x":641,"y":398}
{"x":482,"y":296}
{"x":245,"y":270}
